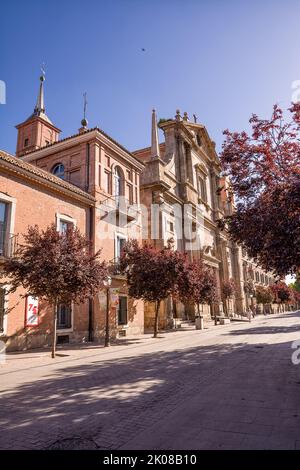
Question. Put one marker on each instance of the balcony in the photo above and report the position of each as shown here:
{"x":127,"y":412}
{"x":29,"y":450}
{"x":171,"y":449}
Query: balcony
{"x":118,"y":208}
{"x":114,"y":268}
{"x":8,"y":244}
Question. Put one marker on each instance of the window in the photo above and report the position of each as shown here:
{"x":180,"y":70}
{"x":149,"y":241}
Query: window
{"x":59,"y":171}
{"x":3,"y":225}
{"x":64,"y":225}
{"x":130,"y":193}
{"x":106,"y":182}
{"x":171,"y":227}
{"x":63,"y":222}
{"x":26,"y":142}
{"x":120,"y":242}
{"x":64,"y":316}
{"x":202,"y":188}
{"x":118,"y":182}
{"x":122,"y":312}
{"x":2,"y":309}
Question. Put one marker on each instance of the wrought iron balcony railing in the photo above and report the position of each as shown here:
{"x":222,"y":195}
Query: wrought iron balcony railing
{"x":8,"y":244}
{"x":114,"y":267}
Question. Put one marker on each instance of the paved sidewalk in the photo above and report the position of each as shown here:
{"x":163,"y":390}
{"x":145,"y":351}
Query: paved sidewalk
{"x":227,"y":387}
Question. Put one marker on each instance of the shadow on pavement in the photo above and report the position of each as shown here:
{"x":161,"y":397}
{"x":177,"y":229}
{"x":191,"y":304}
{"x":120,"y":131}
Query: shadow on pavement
{"x":105,"y":403}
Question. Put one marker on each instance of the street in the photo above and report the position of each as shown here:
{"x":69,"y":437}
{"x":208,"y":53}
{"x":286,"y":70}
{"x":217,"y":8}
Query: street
{"x":227,"y":387}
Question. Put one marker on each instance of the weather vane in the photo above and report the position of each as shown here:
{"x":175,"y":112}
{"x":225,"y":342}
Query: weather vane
{"x":84,"y":121}
{"x":84,"y":105}
{"x":43,"y":70}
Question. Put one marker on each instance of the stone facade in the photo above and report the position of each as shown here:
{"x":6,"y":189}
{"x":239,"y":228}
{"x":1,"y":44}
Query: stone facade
{"x":182,"y":176}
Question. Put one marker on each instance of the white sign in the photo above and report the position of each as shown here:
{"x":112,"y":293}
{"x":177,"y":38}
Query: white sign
{"x":32,"y":311}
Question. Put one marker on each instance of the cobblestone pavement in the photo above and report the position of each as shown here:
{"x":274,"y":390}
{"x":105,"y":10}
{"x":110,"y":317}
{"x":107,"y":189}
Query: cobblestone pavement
{"x":227,"y":387}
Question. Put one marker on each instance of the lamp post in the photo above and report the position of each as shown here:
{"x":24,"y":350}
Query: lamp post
{"x":107,"y":284}
{"x":251,"y":297}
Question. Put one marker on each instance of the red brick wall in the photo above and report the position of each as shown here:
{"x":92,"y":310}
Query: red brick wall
{"x":35,"y":205}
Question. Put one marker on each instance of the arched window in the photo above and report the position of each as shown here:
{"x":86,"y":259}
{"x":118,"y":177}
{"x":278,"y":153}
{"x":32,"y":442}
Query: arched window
{"x":59,"y":171}
{"x":118,"y":182}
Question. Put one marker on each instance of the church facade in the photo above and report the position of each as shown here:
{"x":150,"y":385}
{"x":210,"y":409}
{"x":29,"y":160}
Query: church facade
{"x":182,"y":181}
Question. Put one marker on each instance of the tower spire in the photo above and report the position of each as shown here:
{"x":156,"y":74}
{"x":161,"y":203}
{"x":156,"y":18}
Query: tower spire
{"x":40,"y":105}
{"x":155,"y":152}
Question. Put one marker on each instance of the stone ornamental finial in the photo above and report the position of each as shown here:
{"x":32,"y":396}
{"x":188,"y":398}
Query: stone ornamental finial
{"x":178,"y":117}
{"x":155,"y":151}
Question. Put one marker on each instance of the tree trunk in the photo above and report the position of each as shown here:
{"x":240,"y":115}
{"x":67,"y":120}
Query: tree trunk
{"x":174,"y":312}
{"x":226,"y":305}
{"x":200,"y":317}
{"x":54,"y":330}
{"x":156,"y":319}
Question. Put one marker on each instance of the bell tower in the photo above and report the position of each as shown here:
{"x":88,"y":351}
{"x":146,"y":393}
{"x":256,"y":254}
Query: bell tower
{"x":37,"y":131}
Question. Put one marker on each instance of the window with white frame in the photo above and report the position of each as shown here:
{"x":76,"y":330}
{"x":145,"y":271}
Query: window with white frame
{"x":64,"y":225}
{"x":64,"y":222}
{"x":120,"y":241}
{"x":7,"y":219}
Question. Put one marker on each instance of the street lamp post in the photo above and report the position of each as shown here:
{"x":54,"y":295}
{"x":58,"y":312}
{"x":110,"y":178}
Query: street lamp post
{"x":252,"y":307}
{"x":107,"y":284}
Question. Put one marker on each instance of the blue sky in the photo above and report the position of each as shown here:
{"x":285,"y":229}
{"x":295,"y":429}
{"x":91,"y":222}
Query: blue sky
{"x":219,"y":59}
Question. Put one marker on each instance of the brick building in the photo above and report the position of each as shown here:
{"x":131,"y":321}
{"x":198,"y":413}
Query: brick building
{"x":169,"y":190}
{"x":105,"y":175}
{"x":29,"y":196}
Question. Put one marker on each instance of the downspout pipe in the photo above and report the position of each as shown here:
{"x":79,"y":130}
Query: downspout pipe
{"x":91,"y":238}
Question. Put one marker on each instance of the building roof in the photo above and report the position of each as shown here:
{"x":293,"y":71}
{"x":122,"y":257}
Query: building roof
{"x":86,"y":132}
{"x":33,"y":172}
